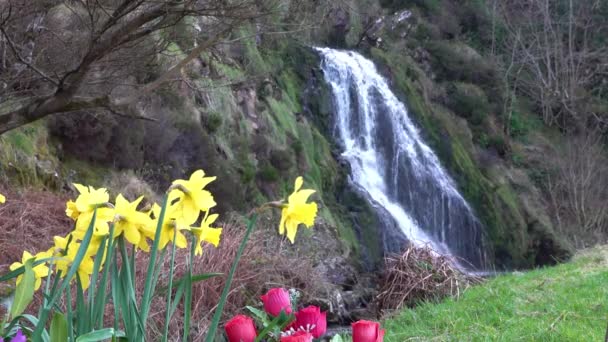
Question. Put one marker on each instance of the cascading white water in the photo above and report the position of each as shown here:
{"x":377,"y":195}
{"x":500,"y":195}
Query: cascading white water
{"x":391,"y":164}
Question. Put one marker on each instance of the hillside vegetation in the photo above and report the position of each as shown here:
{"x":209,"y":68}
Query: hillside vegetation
{"x":560,"y":303}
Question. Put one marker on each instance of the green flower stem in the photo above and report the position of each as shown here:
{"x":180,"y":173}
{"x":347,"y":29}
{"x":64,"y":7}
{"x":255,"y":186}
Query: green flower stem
{"x":220,"y":306}
{"x":188,"y":292}
{"x":100,"y":299}
{"x":170,"y":289}
{"x":150,"y":278}
{"x":69,"y":314}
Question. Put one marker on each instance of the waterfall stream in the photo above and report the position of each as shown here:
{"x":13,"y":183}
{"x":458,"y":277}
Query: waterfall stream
{"x":393,"y":167}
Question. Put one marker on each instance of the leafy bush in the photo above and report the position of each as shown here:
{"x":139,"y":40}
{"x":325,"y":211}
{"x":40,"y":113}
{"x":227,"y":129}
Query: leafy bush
{"x":281,"y":159}
{"x":213,"y":121}
{"x":459,"y":62}
{"x":468,"y":101}
{"x":268,"y":173}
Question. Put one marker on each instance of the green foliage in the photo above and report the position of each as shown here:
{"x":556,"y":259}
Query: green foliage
{"x":24,"y":294}
{"x":550,"y":304}
{"x":468,"y":101}
{"x":281,"y":159}
{"x":459,"y":62}
{"x":254,"y":62}
{"x":213,"y":121}
{"x":520,"y":124}
{"x":268,"y":173}
{"x":247,"y":171}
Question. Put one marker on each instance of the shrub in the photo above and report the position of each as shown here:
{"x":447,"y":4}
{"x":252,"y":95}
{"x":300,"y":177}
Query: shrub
{"x":281,"y":159}
{"x":213,"y":121}
{"x":469,"y":102}
{"x":418,"y":275}
{"x":268,"y":173}
{"x":459,"y":62}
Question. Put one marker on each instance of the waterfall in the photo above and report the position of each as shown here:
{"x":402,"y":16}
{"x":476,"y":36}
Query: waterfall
{"x":393,"y":167}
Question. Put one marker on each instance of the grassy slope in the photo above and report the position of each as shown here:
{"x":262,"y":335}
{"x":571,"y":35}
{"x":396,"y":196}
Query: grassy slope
{"x":563,"y":303}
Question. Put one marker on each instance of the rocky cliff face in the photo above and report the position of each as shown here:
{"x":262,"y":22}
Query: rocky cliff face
{"x":455,"y":94}
{"x":256,"y":113}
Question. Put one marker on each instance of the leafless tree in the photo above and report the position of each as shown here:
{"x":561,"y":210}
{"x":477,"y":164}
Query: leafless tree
{"x":558,"y":56}
{"x":578,"y":188}
{"x":74,"y":55}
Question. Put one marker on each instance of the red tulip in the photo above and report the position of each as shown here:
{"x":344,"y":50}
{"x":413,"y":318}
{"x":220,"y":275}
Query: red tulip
{"x":367,"y":331}
{"x":277,"y":300}
{"x":300,"y":336}
{"x":240,"y":329}
{"x":311,"y":319}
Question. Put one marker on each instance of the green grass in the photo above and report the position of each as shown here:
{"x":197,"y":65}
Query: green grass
{"x":568,"y":302}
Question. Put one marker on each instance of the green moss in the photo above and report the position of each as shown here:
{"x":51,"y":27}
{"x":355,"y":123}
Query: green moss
{"x":283,"y":114}
{"x":27,"y":157}
{"x":290,"y":85}
{"x":254,"y":62}
{"x":86,"y":173}
{"x":229,"y":72}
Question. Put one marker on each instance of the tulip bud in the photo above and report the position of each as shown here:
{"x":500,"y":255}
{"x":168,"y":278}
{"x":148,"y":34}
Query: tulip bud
{"x":240,"y":329}
{"x":300,"y":336}
{"x":367,"y":331}
{"x":277,"y":300}
{"x":311,"y":319}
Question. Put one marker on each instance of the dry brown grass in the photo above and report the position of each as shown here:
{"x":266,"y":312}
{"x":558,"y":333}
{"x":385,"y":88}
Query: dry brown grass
{"x":28,"y":221}
{"x":418,"y":275}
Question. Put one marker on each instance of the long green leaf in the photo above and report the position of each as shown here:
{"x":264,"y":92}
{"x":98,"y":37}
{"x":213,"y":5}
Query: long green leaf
{"x":99,"y":335}
{"x":178,"y":296}
{"x":19,"y":271}
{"x":59,"y":328}
{"x":24,"y":294}
{"x":188,"y":296}
{"x":150,"y":278}
{"x":100,"y":300}
{"x":220,"y":306}
{"x":194,"y":279}
{"x":69,"y":313}
{"x":171,"y":268}
{"x":97,"y":264}
{"x":278,"y":323}
{"x":82,"y":317}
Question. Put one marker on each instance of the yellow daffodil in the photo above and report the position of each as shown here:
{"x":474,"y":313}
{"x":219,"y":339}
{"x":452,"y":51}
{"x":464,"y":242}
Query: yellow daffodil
{"x":104,"y":216}
{"x":135,"y":225}
{"x":71,"y":211}
{"x":85,"y":269}
{"x":90,"y":198}
{"x":2,"y":199}
{"x":60,"y":245}
{"x":297,"y":211}
{"x":40,"y":271}
{"x":169,"y":226}
{"x":206,"y":233}
{"x":192,"y":196}
{"x":83,"y":208}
